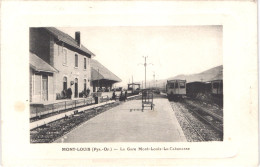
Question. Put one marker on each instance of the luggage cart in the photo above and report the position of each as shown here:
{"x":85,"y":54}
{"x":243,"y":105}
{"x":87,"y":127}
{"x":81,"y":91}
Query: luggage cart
{"x":147,"y":99}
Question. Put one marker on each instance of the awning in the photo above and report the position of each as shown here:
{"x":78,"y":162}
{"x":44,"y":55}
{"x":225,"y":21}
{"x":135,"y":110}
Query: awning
{"x":99,"y":72}
{"x":40,"y":65}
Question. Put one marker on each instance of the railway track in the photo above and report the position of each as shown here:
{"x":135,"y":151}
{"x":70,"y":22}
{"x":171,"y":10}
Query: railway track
{"x":194,"y":128}
{"x":197,"y":127}
{"x":211,"y":118}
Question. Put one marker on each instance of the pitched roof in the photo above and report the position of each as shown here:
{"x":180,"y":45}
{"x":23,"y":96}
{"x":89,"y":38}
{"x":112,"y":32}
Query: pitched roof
{"x":67,"y":39}
{"x":98,"y":72}
{"x":40,"y":65}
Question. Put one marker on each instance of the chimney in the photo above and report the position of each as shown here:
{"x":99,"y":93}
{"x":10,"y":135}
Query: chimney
{"x":77,"y":37}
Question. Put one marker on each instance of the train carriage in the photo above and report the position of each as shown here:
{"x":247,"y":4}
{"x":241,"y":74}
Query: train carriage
{"x":217,"y":87}
{"x":176,"y":89}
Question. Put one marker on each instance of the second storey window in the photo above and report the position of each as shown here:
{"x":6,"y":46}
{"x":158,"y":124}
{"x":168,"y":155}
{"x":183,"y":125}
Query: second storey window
{"x":76,"y":60}
{"x":64,"y":51}
{"x":85,"y":63}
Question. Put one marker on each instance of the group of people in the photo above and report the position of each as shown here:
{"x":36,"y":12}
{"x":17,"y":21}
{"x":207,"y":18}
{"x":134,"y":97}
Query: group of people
{"x":67,"y":93}
{"x":122,"y":97}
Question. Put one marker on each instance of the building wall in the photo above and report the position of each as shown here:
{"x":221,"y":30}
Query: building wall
{"x":45,"y":47}
{"x":69,"y":70}
{"x":52,"y":94}
{"x":40,"y":44}
{"x":31,"y":83}
{"x":36,"y":86}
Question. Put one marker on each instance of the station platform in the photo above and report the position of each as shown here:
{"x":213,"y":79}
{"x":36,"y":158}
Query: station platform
{"x":127,"y":123}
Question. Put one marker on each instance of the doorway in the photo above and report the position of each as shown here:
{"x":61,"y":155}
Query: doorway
{"x":76,"y":88}
{"x":44,"y":88}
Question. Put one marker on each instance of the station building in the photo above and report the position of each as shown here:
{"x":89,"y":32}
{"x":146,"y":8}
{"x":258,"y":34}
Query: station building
{"x":57,"y":62}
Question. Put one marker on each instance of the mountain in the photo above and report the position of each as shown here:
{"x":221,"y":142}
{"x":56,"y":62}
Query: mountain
{"x":215,"y":73}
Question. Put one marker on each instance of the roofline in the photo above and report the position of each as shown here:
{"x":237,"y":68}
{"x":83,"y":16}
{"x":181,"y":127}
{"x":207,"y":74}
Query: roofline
{"x":176,"y":80}
{"x":94,"y":68}
{"x":106,"y":79}
{"x":33,"y":67}
{"x":134,"y":84}
{"x":196,"y":82}
{"x":57,"y":37}
{"x":216,"y":80}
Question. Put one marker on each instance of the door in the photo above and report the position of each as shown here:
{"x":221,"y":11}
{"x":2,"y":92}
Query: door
{"x":176,"y":88}
{"x":76,"y":87}
{"x":44,"y":87}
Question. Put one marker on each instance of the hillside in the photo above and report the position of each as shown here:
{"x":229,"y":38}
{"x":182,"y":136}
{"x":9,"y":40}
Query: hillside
{"x":215,"y":73}
{"x":208,"y":75}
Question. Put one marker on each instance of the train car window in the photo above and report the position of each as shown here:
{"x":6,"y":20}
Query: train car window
{"x":221,"y":85}
{"x":182,"y":85}
{"x":176,"y":85}
{"x":171,"y":85}
{"x":215,"y":85}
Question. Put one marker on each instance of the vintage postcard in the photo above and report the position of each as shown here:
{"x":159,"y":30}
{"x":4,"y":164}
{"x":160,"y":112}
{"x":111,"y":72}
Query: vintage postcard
{"x":134,"y":83}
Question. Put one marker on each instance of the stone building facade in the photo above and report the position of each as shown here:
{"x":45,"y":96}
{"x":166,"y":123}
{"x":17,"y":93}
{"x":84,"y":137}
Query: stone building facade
{"x":65,"y":54}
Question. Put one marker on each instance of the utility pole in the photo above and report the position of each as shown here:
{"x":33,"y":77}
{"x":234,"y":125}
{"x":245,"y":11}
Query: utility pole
{"x":153,"y":79}
{"x":145,"y":64}
{"x":145,"y":71}
{"x":98,"y":79}
{"x":132,"y":84}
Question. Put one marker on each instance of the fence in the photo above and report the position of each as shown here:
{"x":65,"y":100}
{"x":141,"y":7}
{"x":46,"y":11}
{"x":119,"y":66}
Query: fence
{"x":38,"y":111}
{"x":104,"y":99}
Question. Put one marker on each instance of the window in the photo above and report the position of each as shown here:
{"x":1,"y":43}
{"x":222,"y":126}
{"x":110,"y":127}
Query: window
{"x":182,"y":85}
{"x":65,"y":83}
{"x":85,"y":63}
{"x":221,"y":85}
{"x":76,"y":60}
{"x":176,"y":85}
{"x":215,"y":85}
{"x":64,"y":51}
{"x":171,"y":85}
{"x":85,"y":84}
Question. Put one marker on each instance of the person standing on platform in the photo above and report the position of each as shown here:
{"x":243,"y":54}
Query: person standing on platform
{"x":125,"y":95}
{"x":69,"y":93}
{"x":121,"y":98}
{"x":114,"y":96}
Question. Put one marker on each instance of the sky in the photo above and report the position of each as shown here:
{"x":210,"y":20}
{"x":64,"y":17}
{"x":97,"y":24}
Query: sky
{"x":171,"y":50}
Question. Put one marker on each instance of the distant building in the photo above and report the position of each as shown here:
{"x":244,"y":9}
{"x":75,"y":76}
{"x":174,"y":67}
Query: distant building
{"x":102,"y":78}
{"x":133,"y":87}
{"x":57,"y":62}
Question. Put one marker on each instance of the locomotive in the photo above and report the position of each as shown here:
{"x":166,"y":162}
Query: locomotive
{"x":176,"y":89}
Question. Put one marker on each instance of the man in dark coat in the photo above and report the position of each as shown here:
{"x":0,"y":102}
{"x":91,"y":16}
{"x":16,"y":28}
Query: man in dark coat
{"x":69,"y":93}
{"x":125,"y":95}
{"x":114,"y":96}
{"x":121,"y":96}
